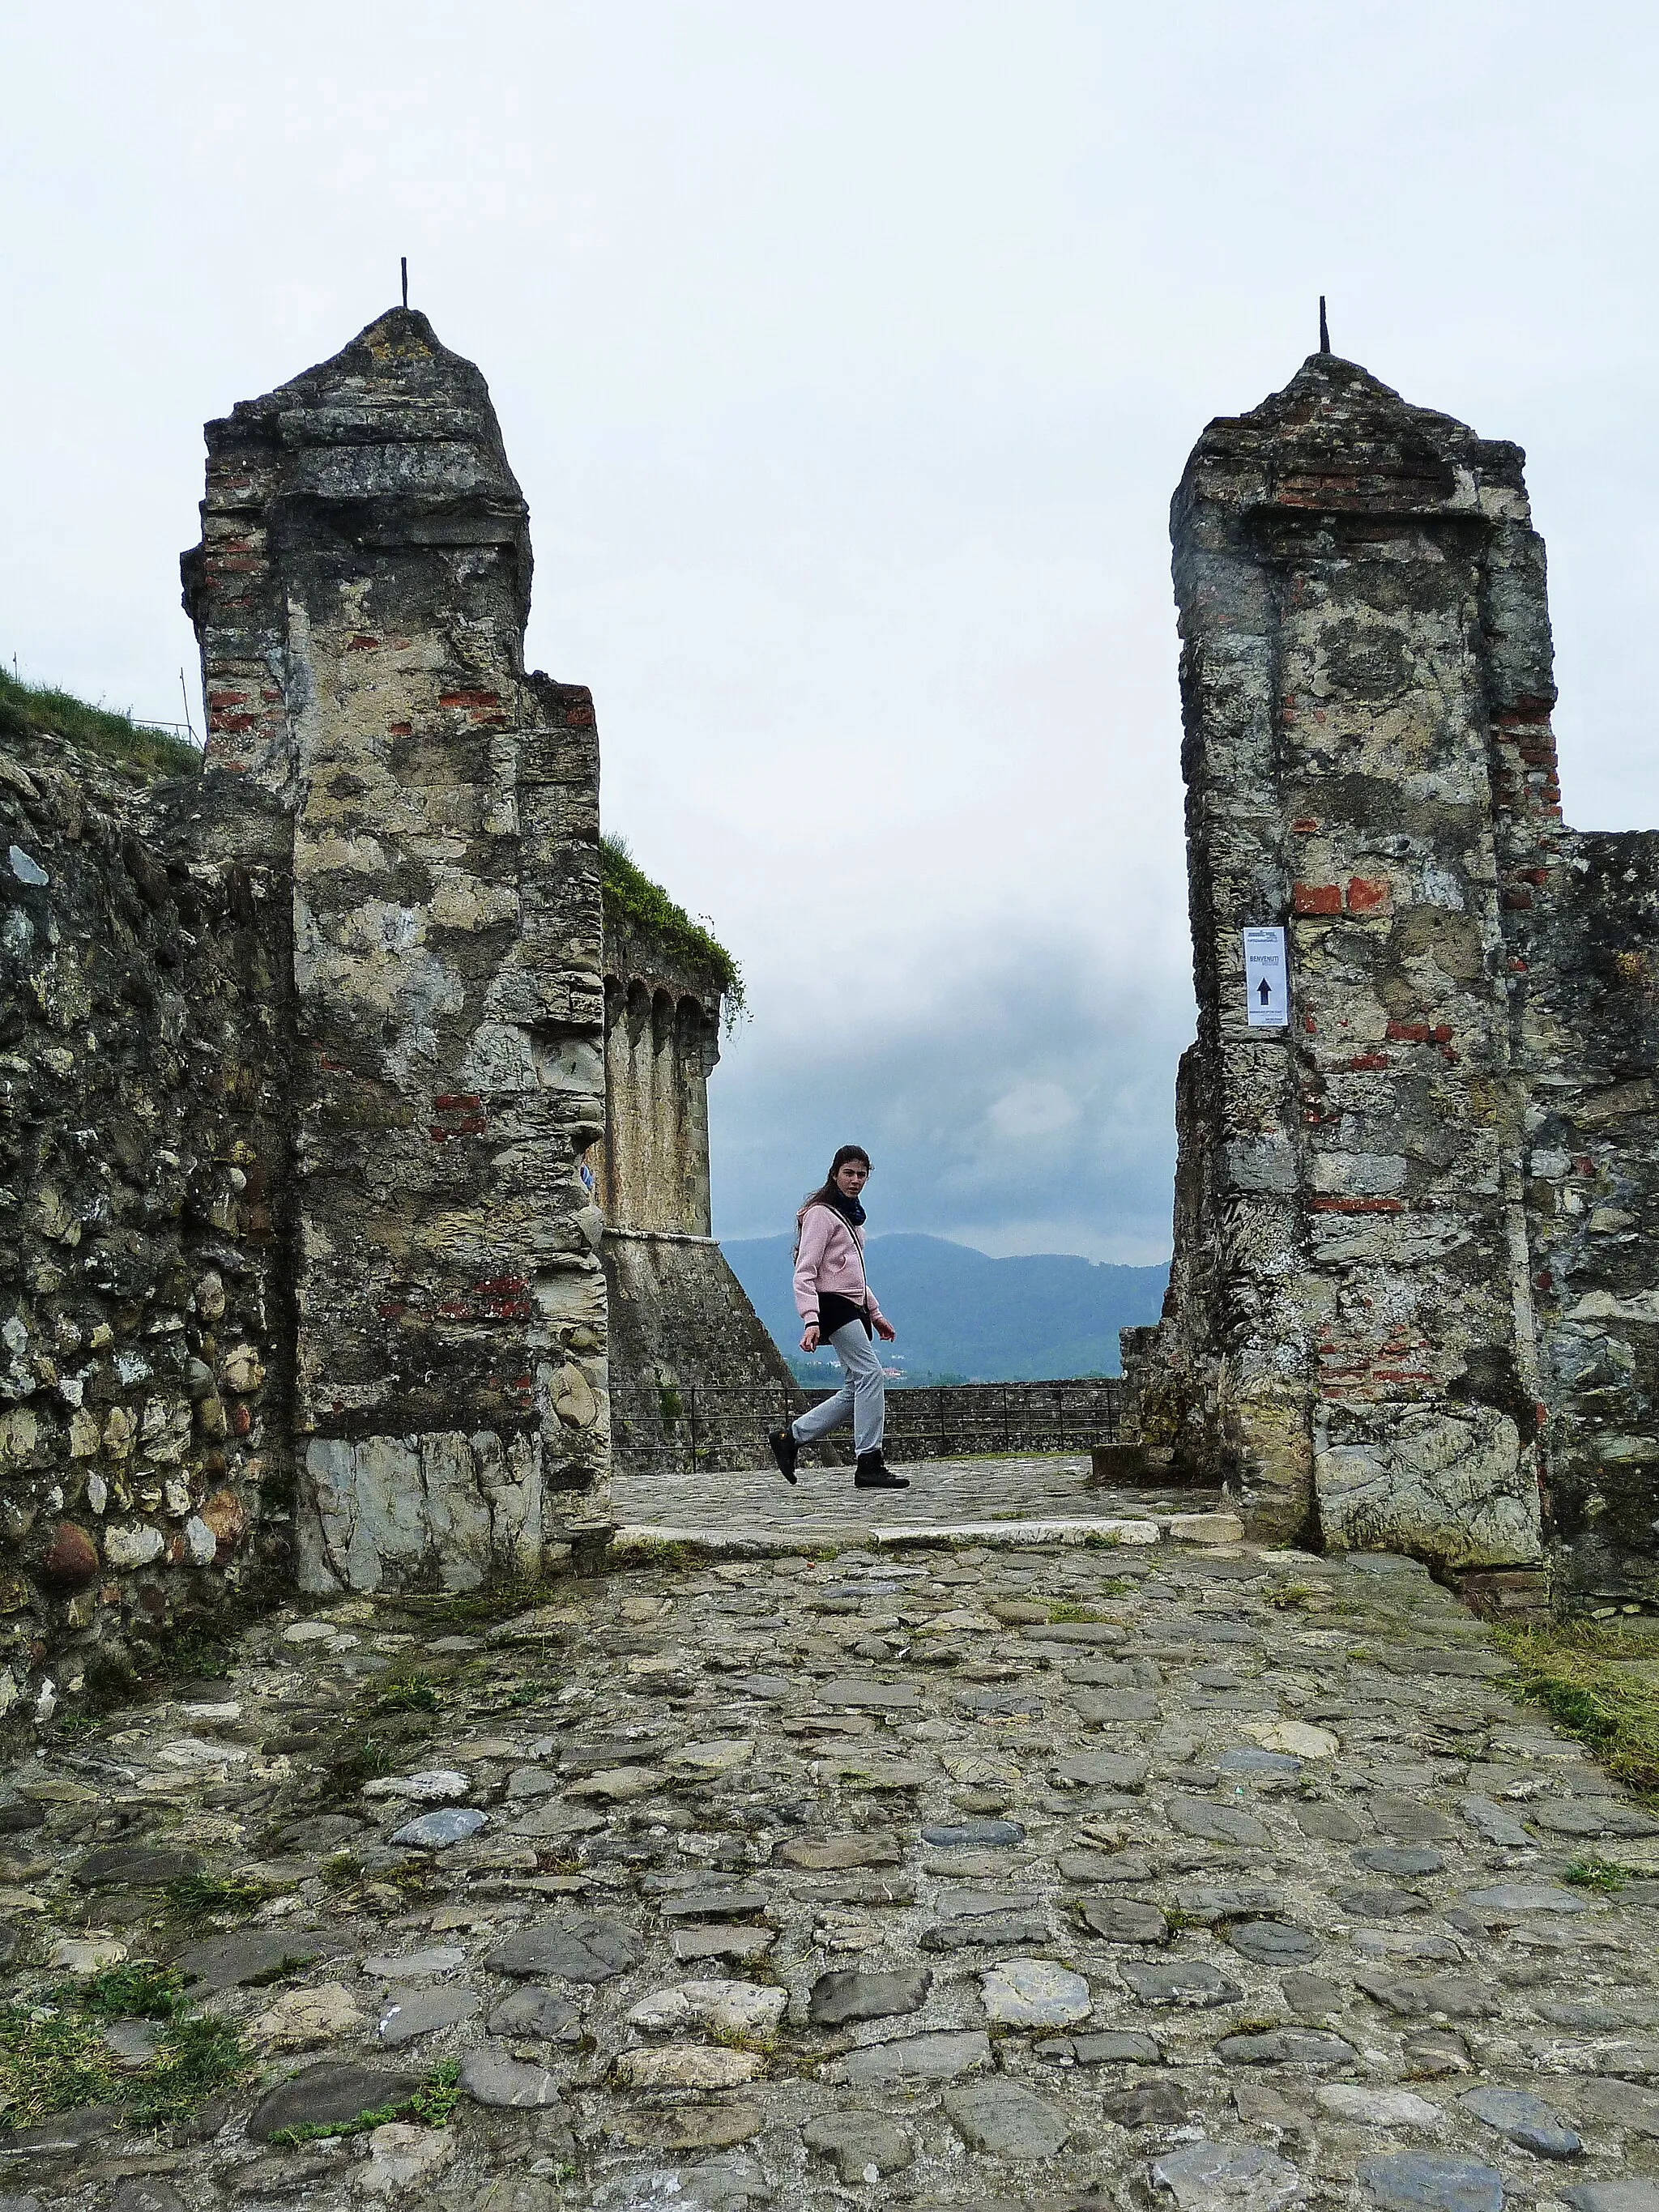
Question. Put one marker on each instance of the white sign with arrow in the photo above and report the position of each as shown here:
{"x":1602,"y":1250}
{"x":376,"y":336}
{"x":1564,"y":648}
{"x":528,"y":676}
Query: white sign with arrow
{"x":1267,"y":980}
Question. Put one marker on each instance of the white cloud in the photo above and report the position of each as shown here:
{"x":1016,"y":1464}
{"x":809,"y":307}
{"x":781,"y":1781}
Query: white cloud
{"x":849,"y":358}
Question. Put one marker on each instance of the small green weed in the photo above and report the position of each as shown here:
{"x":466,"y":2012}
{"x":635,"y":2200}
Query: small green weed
{"x":1066,"y":1610}
{"x":408,"y":1694}
{"x":205,"y":1896}
{"x":194,"y":1654}
{"x":1101,"y":1539}
{"x":659,"y":1552}
{"x":366,"y":1759}
{"x":536,"y":1690}
{"x":481,"y":1607}
{"x":340,"y":1870}
{"x":636,"y":905}
{"x":1605,"y":1874}
{"x":438,"y":2095}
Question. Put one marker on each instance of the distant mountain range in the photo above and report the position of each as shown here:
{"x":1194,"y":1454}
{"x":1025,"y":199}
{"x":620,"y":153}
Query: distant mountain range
{"x":964,"y":1317}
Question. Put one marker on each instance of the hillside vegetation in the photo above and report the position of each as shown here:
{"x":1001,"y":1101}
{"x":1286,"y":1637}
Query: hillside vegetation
{"x":30,"y":712}
{"x":964,"y":1316}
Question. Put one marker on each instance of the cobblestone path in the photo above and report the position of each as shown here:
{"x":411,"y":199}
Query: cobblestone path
{"x":1061,"y":1876}
{"x":946,"y":1492}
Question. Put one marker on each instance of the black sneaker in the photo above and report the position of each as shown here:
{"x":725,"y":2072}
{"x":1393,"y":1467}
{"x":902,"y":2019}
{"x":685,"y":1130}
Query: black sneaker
{"x":874,"y":1473}
{"x":786,"y":1451}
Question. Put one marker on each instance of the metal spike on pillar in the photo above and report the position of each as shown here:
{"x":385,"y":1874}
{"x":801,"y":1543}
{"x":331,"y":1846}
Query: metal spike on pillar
{"x":1324,"y":327}
{"x":402,"y":263}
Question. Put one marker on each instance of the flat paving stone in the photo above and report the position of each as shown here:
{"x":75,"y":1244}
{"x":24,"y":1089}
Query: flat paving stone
{"x":863,"y":2145}
{"x":1217,"y":1824}
{"x":1006,"y":2120}
{"x":573,"y":1947}
{"x":332,"y":2093}
{"x":1034,"y":1993}
{"x":531,"y":2013}
{"x":1286,"y":2046}
{"x":1419,"y":2181}
{"x":1124,"y":1920}
{"x":225,"y":1962}
{"x":135,"y":1866}
{"x":423,"y":2012}
{"x":1271,"y":1943}
{"x":847,"y":1994}
{"x":973,"y":1835}
{"x":1524,"y":2119}
{"x":492,"y":2076}
{"x":938,"y":2058}
{"x":1213,"y":2177}
{"x":1179,"y":1982}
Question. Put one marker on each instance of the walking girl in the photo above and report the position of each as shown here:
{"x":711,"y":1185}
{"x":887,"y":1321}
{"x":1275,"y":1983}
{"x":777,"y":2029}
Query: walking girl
{"x":838,"y":1307}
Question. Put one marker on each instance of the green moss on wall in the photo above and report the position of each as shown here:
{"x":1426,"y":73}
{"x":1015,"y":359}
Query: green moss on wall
{"x":633,"y":902}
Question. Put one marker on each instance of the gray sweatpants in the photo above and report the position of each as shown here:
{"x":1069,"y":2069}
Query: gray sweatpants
{"x":864,"y":1391}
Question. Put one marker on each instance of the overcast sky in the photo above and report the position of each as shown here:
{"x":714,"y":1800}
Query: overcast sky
{"x":847,"y":358}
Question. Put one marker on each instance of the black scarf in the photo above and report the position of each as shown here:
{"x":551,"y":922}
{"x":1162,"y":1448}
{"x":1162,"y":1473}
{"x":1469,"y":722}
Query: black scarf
{"x":848,"y":1208}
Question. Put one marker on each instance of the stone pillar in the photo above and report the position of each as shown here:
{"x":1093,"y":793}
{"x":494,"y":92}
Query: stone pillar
{"x":1352,"y":574}
{"x":359,"y":594}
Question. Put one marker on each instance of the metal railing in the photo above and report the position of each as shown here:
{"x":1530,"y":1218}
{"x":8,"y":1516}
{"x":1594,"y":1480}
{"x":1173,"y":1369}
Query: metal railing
{"x":668,"y":1428}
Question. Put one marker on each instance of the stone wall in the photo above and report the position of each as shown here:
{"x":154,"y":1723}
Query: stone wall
{"x":1387,"y":1327}
{"x":1588,"y":1015}
{"x":359,"y":593}
{"x":144,"y":1122}
{"x":662,"y":1040}
{"x":680,"y":1320}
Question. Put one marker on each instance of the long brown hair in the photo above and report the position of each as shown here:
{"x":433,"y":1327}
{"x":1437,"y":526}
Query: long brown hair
{"x":828,"y":1193}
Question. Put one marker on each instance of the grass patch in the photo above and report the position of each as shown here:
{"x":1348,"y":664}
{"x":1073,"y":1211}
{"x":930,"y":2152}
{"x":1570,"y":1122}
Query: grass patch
{"x":50,"y":2061}
{"x":198,"y":2057}
{"x":1064,"y":1610}
{"x":1603,"y":1875}
{"x":205,"y":1896}
{"x":633,"y":903}
{"x":408,"y":1693}
{"x":54,"y":2059}
{"x":660,"y":1552}
{"x":431,"y":2102}
{"x":1599,"y":1683}
{"x":29,"y":711}
{"x":482,"y":1608}
{"x":194,"y":1654}
{"x":536,"y":1690}
{"x":136,"y":1989}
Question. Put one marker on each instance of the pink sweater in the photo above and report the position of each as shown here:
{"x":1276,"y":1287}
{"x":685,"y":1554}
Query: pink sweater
{"x":830,"y":1257}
